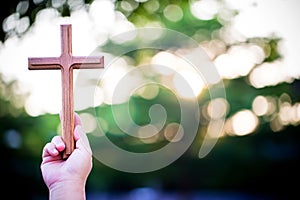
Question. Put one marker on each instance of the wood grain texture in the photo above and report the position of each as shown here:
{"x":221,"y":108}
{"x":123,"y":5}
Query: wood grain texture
{"x":66,"y":63}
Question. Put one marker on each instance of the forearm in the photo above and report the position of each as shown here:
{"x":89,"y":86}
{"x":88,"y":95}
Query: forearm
{"x":67,"y":190}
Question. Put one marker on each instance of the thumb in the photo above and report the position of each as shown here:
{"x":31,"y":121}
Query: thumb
{"x":81,"y":139}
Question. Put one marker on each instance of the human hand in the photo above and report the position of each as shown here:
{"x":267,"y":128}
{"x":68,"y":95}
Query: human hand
{"x":67,"y":177}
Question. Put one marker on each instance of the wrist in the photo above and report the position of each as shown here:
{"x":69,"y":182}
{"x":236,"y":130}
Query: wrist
{"x":71,"y":189}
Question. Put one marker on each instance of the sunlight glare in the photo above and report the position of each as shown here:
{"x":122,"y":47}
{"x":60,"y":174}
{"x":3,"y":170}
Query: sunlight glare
{"x":205,"y":9}
{"x":43,"y":40}
{"x":149,"y":91}
{"x":110,"y":82}
{"x":239,"y":61}
{"x":269,"y":74}
{"x":165,"y":59}
{"x":194,"y":81}
{"x":100,"y":10}
{"x":244,"y":122}
{"x":217,"y":108}
{"x":88,"y":121}
{"x":260,"y":105}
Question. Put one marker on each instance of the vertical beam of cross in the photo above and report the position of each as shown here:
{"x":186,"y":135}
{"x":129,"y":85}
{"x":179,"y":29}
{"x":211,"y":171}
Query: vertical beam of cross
{"x":66,"y":63}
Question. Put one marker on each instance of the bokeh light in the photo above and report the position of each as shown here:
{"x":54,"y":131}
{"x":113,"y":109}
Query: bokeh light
{"x":254,"y":49}
{"x":242,"y":123}
{"x":173,"y":132}
{"x":205,"y":9}
{"x":239,"y":61}
{"x":173,"y":13}
{"x":269,"y":74}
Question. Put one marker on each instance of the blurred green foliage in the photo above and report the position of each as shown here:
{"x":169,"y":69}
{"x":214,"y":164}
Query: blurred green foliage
{"x":263,"y":162}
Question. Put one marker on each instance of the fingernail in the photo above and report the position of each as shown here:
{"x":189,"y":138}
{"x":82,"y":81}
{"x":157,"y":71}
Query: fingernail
{"x":54,"y":151}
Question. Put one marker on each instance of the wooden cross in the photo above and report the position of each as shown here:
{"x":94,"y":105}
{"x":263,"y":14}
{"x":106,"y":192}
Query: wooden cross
{"x":66,"y":63}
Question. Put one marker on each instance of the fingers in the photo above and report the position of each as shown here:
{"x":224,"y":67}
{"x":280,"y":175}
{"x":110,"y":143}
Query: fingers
{"x":54,"y":147}
{"x":77,"y":120}
{"x":78,"y":129}
{"x":58,"y":142}
{"x":80,"y":136}
{"x":81,"y":139}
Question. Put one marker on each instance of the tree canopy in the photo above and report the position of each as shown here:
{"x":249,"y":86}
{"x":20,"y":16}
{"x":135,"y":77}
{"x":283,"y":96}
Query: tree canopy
{"x":258,"y":145}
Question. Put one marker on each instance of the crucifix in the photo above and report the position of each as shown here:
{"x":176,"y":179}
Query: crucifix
{"x":66,"y":63}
